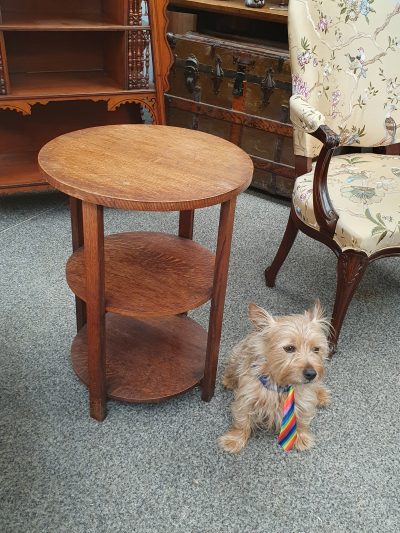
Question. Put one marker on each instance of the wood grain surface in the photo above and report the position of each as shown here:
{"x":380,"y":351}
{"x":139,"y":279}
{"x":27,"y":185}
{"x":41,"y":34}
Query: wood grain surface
{"x":270,"y":12}
{"x":149,"y":274}
{"x":147,"y":360}
{"x":225,"y":228}
{"x":93,"y":231}
{"x":146,"y":167}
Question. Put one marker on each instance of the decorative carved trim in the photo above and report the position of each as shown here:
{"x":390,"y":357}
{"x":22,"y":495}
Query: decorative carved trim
{"x":145,"y":40}
{"x":21,"y":106}
{"x":166,"y":51}
{"x":138,"y":59}
{"x":3,"y":87}
{"x":351,"y":265}
{"x":148,"y":101}
{"x":350,"y":269}
{"x":113,"y":101}
{"x":136,"y":12}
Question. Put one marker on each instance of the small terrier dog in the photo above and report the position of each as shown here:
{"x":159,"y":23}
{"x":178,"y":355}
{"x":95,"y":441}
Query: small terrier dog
{"x":279,"y":352}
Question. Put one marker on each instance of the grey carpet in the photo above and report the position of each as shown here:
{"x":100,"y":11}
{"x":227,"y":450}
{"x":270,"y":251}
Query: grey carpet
{"x":157,"y":468}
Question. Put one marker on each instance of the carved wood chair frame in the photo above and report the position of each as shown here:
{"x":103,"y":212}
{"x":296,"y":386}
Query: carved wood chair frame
{"x":351,"y":264}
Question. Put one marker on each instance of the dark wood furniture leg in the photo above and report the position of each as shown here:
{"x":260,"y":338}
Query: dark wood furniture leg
{"x":93,"y":228}
{"x":75,"y":207}
{"x":218,"y":299}
{"x":283,"y":250}
{"x":186,"y":221}
{"x":350,"y":269}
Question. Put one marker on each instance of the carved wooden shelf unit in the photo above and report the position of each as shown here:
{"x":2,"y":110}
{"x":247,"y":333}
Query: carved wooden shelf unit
{"x":231,"y":77}
{"x":71,"y":65}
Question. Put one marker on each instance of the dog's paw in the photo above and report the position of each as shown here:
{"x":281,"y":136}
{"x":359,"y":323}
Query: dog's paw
{"x":233,"y":441}
{"x":323,"y":397}
{"x":304,"y":441}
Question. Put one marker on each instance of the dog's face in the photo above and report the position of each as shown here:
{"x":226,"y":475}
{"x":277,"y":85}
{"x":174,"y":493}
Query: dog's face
{"x":292,"y":349}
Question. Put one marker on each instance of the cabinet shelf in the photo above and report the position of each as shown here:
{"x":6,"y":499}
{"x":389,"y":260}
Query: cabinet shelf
{"x":149,"y":274}
{"x":47,"y":63}
{"x":14,"y":13}
{"x":20,"y":170}
{"x":19,"y":23}
{"x":38,"y":84}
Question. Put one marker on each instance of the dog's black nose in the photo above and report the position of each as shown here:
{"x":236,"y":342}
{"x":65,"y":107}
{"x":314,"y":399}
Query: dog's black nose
{"x":309,"y":374}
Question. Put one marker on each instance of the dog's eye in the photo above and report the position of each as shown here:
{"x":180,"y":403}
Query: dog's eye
{"x":316,"y":349}
{"x":290,"y":348}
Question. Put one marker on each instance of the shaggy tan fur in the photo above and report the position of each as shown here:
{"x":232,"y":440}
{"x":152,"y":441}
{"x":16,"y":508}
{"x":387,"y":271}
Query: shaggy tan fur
{"x":287,"y":349}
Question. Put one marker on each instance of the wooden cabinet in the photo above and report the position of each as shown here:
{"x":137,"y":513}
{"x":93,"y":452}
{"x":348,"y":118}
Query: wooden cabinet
{"x":71,"y":65}
{"x":231,"y":77}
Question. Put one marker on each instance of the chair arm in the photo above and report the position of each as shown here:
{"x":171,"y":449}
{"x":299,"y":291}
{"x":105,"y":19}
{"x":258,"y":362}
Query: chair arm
{"x":325,"y":215}
{"x":304,"y":116}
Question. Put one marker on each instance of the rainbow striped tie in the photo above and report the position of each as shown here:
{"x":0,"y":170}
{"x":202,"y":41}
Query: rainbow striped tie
{"x":288,"y":434}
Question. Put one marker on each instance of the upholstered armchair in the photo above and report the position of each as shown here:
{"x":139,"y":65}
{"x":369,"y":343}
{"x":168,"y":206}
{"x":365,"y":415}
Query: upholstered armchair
{"x":345,"y":57}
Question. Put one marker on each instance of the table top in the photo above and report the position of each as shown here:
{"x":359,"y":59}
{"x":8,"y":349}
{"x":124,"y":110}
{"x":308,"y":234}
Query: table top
{"x":146,"y":167}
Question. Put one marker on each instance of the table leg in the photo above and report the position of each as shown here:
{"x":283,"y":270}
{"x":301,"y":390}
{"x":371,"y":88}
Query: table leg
{"x":93,"y":229}
{"x":218,"y":299}
{"x":186,"y":220}
{"x":75,"y":207}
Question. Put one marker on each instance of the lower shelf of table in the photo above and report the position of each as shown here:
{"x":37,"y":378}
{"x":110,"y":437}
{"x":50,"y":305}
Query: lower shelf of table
{"x":147,"y":360}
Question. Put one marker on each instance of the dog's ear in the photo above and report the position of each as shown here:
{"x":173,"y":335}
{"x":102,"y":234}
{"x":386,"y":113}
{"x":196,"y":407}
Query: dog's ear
{"x":316,"y":312}
{"x":259,"y":316}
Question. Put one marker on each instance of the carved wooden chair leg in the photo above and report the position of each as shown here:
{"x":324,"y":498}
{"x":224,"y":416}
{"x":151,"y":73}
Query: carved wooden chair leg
{"x":283,"y":250}
{"x":350,"y":269}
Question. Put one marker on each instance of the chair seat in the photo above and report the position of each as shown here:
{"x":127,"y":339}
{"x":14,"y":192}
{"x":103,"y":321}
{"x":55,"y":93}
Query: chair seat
{"x":365,"y":192}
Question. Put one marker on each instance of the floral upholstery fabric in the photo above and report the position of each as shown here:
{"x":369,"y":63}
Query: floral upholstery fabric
{"x":345,"y":57}
{"x":365,"y":192}
{"x":304,"y":116}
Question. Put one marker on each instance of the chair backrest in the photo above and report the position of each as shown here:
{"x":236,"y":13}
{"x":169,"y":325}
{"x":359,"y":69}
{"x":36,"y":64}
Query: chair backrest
{"x":345,"y":60}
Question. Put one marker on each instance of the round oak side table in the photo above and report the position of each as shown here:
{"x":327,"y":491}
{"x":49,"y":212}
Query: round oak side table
{"x":134,"y":339}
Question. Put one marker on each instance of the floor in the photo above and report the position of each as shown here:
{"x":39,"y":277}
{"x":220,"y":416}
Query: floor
{"x":157,"y":468}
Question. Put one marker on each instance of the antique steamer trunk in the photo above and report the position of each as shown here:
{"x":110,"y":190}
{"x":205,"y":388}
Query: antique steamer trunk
{"x":237,"y":88}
